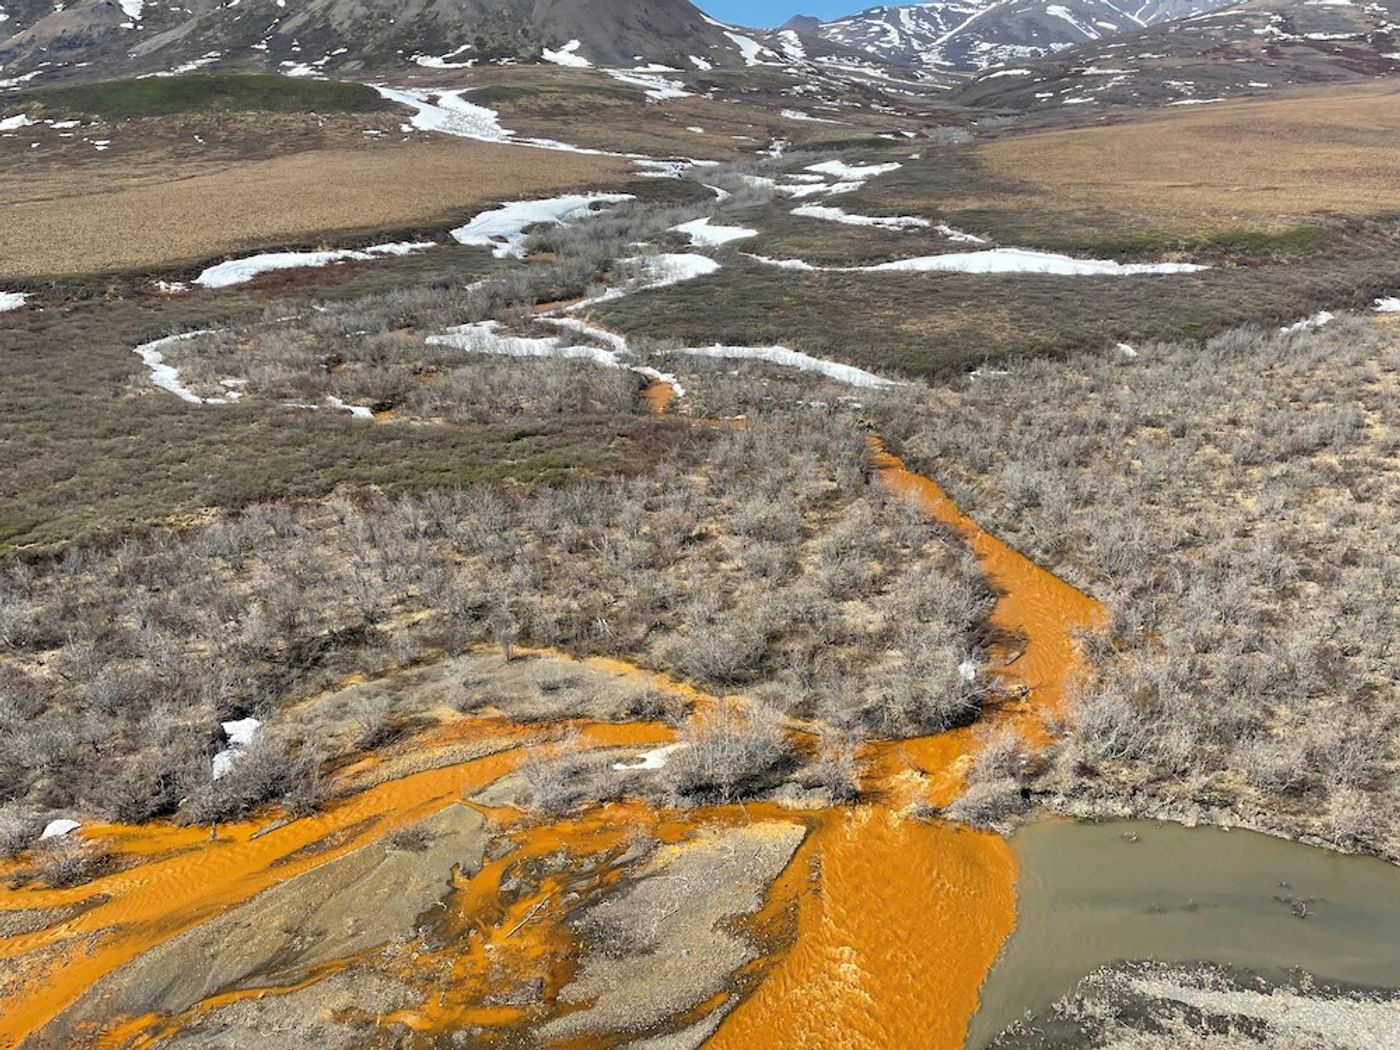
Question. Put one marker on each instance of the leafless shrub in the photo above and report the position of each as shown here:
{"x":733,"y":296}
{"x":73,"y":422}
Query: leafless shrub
{"x":70,"y":861}
{"x":732,"y":750}
{"x":373,"y":715}
{"x":17,"y":829}
{"x":273,"y":769}
{"x":1002,"y":755}
{"x":649,"y":704}
{"x":415,"y":838}
{"x":989,"y":804}
{"x":562,"y":777}
{"x":836,"y":767}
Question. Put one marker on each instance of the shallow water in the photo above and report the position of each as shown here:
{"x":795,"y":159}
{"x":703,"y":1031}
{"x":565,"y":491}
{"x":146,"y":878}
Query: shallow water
{"x":1090,"y":896}
{"x":897,"y":921}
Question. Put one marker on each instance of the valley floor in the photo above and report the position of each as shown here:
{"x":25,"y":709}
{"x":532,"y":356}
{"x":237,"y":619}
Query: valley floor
{"x":534,"y":615}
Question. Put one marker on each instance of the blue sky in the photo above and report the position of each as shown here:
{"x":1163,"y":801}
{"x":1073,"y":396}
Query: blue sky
{"x":775,"y":12}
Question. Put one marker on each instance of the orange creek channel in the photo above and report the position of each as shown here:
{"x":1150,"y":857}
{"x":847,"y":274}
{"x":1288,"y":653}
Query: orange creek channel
{"x":897,"y":920}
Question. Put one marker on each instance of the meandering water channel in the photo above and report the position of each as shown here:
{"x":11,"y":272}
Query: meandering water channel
{"x":897,"y":921}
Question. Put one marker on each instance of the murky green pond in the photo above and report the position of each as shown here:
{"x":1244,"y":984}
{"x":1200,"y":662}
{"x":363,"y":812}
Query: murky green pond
{"x":1095,"y":894}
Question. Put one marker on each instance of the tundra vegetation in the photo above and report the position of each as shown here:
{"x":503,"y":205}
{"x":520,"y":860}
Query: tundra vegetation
{"x":1240,"y":543}
{"x":760,"y":559}
{"x":1231,"y":503}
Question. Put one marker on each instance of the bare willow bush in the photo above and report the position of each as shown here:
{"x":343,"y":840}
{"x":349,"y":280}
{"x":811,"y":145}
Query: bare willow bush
{"x":1232,"y":505}
{"x":121,"y":660}
{"x":730,"y":750}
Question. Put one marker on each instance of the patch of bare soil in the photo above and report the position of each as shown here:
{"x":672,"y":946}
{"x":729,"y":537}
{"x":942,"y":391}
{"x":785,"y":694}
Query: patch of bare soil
{"x":664,"y":944}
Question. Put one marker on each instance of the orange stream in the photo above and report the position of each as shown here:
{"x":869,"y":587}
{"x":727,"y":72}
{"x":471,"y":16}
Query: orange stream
{"x":906,"y":918}
{"x":193,"y":879}
{"x":658,"y":395}
{"x":897,"y":920}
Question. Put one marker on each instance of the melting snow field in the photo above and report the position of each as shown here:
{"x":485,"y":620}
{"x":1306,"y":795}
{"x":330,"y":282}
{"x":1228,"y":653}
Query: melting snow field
{"x":167,"y":377}
{"x":503,"y":229}
{"x":567,"y":56}
{"x":664,"y":269}
{"x":702,"y":233}
{"x":657,"y":88}
{"x":484,"y":337}
{"x":1000,"y":261}
{"x":782,"y":356}
{"x":884,"y":222}
{"x":852,"y":172}
{"x":239,"y":271}
{"x":449,"y":114}
{"x":12,"y":300}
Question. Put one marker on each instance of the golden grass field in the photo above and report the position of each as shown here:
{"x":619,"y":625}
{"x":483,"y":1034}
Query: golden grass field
{"x":1321,"y":152}
{"x":112,"y":214}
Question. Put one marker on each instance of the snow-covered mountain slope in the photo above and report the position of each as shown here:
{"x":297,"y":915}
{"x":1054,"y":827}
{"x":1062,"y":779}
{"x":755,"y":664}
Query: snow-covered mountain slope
{"x":1243,"y":50}
{"x":135,"y":36}
{"x":971,"y":35}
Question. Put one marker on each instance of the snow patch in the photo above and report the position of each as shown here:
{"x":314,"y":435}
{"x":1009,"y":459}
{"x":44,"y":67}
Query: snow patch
{"x":57,"y":829}
{"x":1317,"y":320}
{"x":239,"y":271}
{"x":653,"y":759}
{"x":701,"y":232}
{"x":884,"y":222}
{"x":450,"y":114}
{"x":567,"y":56}
{"x":861,"y":172}
{"x":241,"y":734}
{"x":1000,"y":260}
{"x":504,"y":229}
{"x":798,"y":115}
{"x":167,"y":377}
{"x":484,"y":337}
{"x":657,"y":88}
{"x":358,"y":411}
{"x":749,"y":48}
{"x":655,"y":271}
{"x":782,"y":356}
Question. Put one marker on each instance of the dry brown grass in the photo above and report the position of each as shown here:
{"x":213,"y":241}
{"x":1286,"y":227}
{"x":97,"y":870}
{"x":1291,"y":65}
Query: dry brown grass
{"x":100,"y":223}
{"x":1335,"y":151}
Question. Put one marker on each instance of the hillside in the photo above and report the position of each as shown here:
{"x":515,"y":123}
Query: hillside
{"x":326,"y":36}
{"x":1251,"y":48}
{"x":971,"y":35}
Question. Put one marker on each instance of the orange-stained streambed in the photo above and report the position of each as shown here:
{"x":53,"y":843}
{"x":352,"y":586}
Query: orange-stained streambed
{"x":904,"y":919}
{"x":897,"y":920}
{"x":192,"y":878}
